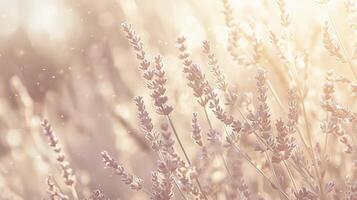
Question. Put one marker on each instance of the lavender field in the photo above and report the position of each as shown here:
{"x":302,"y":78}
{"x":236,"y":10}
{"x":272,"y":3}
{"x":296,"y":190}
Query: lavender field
{"x":178,"y":99}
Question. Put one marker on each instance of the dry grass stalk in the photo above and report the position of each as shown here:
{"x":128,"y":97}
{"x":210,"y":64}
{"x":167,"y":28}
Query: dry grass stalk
{"x":220,"y":77}
{"x":202,"y":89}
{"x":54,"y":191}
{"x":337,"y":115}
{"x":284,"y":15}
{"x":158,"y":94}
{"x":129,"y":179}
{"x":135,"y":42}
{"x":351,"y":7}
{"x":331,"y":45}
{"x":284,"y":144}
{"x":157,"y":84}
{"x":146,"y":124}
{"x":97,"y":195}
{"x":345,"y":54}
{"x":216,"y":69}
{"x":67,"y":172}
{"x":234,"y":35}
{"x":196,"y":130}
{"x":156,"y":81}
{"x":193,"y":72}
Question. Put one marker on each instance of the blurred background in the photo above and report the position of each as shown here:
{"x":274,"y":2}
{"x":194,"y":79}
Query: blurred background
{"x":68,"y":61}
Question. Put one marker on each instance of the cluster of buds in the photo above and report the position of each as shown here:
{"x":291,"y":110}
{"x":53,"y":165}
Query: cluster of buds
{"x":134,"y":182}
{"x":67,"y":172}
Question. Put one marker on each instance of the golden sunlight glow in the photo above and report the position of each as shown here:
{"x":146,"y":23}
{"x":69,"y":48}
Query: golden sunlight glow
{"x":178,"y":99}
{"x":49,"y":18}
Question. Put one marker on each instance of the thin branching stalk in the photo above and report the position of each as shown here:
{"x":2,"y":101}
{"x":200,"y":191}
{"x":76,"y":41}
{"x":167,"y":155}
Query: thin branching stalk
{"x":309,"y":149}
{"x":74,"y":192}
{"x":247,"y":158}
{"x":178,"y":140}
{"x":207,"y":117}
{"x":290,"y":175}
{"x":174,"y":179}
{"x":185,"y":154}
{"x":345,"y":52}
{"x":307,"y":126}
